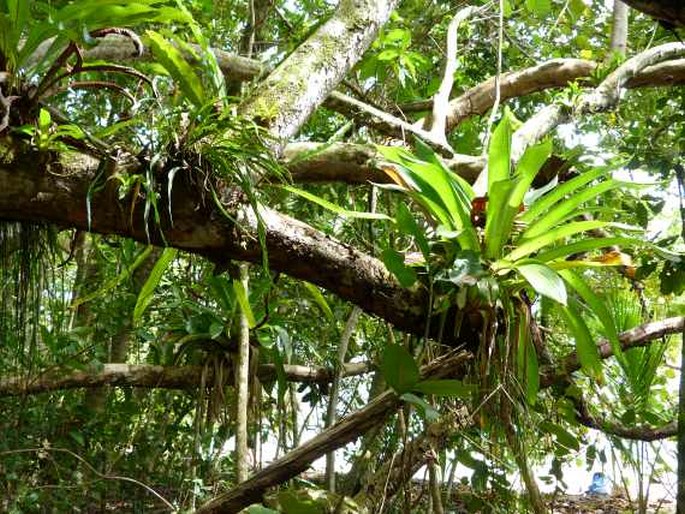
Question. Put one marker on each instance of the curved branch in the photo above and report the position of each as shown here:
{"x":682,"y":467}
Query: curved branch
{"x":602,"y":98}
{"x":671,"y":12}
{"x":638,"y":336}
{"x":639,"y":433}
{"x":55,"y":189}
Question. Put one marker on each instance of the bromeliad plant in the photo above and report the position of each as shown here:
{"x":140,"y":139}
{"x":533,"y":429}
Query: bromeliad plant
{"x":484,"y":256}
{"x":489,"y":259}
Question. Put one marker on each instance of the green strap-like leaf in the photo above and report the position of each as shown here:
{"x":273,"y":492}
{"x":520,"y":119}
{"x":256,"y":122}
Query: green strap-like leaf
{"x":244,"y":302}
{"x":499,"y":152}
{"x":330,"y":206}
{"x":550,"y":237}
{"x":586,"y":245}
{"x":114,"y":282}
{"x":546,"y":202}
{"x":571,"y":205}
{"x":179,"y":69}
{"x":586,"y":349}
{"x":597,"y":306}
{"x":319,"y":300}
{"x":147,"y":291}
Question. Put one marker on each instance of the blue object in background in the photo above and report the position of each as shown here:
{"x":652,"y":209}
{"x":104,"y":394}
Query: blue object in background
{"x":599,"y":485}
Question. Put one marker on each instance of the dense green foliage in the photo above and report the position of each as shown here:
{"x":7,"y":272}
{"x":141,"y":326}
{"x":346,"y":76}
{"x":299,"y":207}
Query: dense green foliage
{"x":522,"y":276}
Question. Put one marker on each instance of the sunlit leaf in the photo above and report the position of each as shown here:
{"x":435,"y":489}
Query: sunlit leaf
{"x":341,"y":211}
{"x":544,"y":281}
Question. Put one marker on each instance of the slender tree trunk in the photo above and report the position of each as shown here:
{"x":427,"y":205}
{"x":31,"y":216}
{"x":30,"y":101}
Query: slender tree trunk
{"x":619,"y":28}
{"x":680,"y":504}
{"x":331,"y":415}
{"x":242,"y":387}
{"x":434,"y":475}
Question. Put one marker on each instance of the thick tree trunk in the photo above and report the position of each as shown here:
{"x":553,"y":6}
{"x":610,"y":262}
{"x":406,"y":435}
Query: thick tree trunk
{"x":289,"y":95}
{"x":619,"y":28}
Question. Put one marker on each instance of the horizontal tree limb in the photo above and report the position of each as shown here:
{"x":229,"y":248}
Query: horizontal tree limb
{"x":639,"y":336}
{"x":476,"y":101}
{"x":159,"y":377}
{"x":54,"y":188}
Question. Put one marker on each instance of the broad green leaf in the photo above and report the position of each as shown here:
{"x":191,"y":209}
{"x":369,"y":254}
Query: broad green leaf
{"x":586,"y":245}
{"x":319,"y":300}
{"x":528,"y":247}
{"x":244,"y":302}
{"x":428,"y":410}
{"x":539,"y":8}
{"x":598,"y":307}
{"x":179,"y":69}
{"x":586,"y":349}
{"x":446,"y":197}
{"x":341,"y":211}
{"x":454,"y":388}
{"x":506,"y":198}
{"x":544,"y":280}
{"x":532,"y":373}
{"x":147,"y":291}
{"x":499,"y":152}
{"x":394,"y":261}
{"x":399,"y":368}
{"x":499,"y":217}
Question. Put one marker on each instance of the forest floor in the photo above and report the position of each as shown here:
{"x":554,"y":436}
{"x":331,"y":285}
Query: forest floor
{"x":567,"y":504}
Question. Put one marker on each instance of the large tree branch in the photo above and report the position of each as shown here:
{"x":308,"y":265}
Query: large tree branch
{"x":289,"y":95}
{"x":670,"y":11}
{"x":556,"y":73}
{"x":56,"y":189}
{"x":638,"y":433}
{"x":352,"y":163}
{"x":160,"y":377}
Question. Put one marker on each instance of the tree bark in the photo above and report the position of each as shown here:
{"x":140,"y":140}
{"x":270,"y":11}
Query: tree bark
{"x":242,"y":385}
{"x":289,"y":95}
{"x":619,"y":28}
{"x":159,"y":377}
{"x":669,"y":11}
